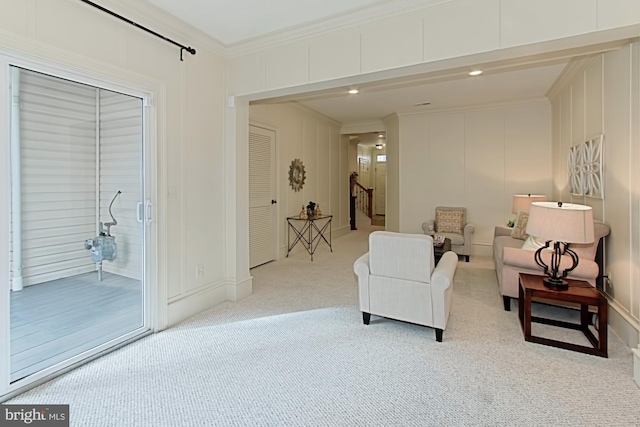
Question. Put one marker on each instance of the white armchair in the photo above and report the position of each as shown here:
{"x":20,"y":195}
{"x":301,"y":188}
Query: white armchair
{"x":452,"y":224}
{"x":398,"y":279}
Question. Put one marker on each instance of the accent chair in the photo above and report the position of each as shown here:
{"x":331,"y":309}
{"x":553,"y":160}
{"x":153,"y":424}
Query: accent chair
{"x":451,"y":222}
{"x":398,"y":279}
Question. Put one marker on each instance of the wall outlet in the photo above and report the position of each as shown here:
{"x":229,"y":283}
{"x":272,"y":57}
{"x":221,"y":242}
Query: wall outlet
{"x":199,"y":271}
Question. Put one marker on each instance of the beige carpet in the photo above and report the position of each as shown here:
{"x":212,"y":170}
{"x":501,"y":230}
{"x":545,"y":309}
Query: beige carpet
{"x":295,"y":353}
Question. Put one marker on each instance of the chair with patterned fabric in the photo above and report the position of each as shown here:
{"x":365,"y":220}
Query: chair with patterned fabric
{"x":451,"y":222}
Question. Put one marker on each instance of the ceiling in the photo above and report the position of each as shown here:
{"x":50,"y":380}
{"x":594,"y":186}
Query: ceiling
{"x":233,"y":22}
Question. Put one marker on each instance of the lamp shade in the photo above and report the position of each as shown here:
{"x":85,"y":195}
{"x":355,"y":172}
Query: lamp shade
{"x":562,"y":222}
{"x":522,"y":202}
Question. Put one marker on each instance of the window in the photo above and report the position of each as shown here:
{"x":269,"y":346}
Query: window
{"x":381,"y":157}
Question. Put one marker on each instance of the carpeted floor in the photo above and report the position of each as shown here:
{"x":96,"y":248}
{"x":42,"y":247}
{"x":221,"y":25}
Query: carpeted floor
{"x":295,"y":353}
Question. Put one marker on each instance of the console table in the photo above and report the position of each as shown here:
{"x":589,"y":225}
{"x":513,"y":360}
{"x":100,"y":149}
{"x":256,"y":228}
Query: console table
{"x":310,"y":232}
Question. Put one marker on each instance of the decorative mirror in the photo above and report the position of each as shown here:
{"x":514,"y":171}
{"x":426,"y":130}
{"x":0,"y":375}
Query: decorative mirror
{"x":296,"y":175}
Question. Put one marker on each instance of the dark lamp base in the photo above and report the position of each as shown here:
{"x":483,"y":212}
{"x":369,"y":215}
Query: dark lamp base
{"x":557,"y":284}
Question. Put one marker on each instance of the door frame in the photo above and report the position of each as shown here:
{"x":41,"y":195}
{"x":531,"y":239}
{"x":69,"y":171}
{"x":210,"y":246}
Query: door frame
{"x":155,"y":290}
{"x":276,"y":184}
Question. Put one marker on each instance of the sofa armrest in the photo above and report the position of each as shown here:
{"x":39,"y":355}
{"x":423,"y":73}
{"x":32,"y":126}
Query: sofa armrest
{"x":502,"y":230}
{"x":429,"y":225}
{"x":361,"y":268}
{"x":442,"y":288}
{"x":521,"y":258}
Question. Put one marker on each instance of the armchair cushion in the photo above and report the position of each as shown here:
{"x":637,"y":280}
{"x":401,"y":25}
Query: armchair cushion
{"x":449,"y":220}
{"x":406,"y":257}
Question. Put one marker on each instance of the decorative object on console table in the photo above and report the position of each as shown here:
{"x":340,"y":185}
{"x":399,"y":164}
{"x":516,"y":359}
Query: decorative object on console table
{"x":318,"y":211}
{"x":311,"y":209}
{"x":561,"y":224}
{"x":303,"y":213}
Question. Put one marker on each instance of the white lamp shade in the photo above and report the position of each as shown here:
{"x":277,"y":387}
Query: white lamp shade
{"x":569,"y":223}
{"x":522,"y":202}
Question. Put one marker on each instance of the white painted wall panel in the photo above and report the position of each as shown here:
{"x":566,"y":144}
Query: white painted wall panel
{"x":392,"y":43}
{"x":395,"y":179}
{"x":577,"y":111}
{"x":446,"y":154}
{"x":287,"y":66}
{"x":524,"y":21}
{"x":527,"y":152}
{"x":324,"y":167}
{"x":566,"y":140}
{"x":414,"y":146}
{"x":484,"y":171}
{"x":14,"y":16}
{"x":617,"y":13}
{"x":334,"y":56}
{"x":477,"y":159}
{"x":461,"y":28}
{"x":617,"y":97}
{"x":246,"y":74}
{"x":593,"y":98}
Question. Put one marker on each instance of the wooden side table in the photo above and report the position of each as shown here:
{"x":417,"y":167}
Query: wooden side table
{"x":580,"y":292}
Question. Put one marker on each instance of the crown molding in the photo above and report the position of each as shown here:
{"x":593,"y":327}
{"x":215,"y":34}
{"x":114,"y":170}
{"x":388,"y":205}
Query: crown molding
{"x":158,"y":20}
{"x":573,"y":68}
{"x":356,"y":18}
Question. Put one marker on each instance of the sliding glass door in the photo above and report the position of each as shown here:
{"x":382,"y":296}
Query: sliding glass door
{"x":79,"y":214}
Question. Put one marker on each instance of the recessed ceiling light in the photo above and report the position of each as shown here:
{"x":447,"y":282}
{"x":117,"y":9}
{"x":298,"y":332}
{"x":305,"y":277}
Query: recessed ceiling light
{"x":353,"y":91}
{"x":475,"y":72}
{"x":380,"y":136}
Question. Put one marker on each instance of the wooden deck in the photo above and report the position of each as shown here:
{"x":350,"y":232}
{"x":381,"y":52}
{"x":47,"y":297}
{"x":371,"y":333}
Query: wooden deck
{"x":56,"y":320}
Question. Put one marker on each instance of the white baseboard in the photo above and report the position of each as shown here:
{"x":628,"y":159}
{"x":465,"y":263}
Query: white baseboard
{"x":482,"y":249}
{"x":206,"y":298}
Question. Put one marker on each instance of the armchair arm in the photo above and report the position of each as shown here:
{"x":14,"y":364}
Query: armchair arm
{"x":524,"y":259}
{"x":442,"y":288}
{"x":361,"y":268}
{"x":469,"y":229}
{"x":429,"y":225}
{"x":502,"y":230}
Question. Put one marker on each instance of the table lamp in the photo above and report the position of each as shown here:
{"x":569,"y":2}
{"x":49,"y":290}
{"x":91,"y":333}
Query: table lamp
{"x":562,"y":224}
{"x":522,"y":202}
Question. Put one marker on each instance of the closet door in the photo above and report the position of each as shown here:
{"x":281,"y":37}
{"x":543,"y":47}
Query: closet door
{"x":262,"y":201}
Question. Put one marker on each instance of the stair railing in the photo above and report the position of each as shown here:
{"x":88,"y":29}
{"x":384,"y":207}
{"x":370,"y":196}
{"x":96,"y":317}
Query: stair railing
{"x":364,"y":200}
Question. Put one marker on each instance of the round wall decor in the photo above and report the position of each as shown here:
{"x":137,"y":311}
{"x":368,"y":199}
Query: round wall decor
{"x":296,"y":175}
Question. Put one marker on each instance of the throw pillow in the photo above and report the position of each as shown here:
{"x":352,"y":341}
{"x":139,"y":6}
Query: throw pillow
{"x":520,"y":227}
{"x":449,"y":221}
{"x":533,"y":243}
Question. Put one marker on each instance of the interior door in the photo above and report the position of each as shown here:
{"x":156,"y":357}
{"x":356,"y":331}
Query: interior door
{"x":381,"y":188}
{"x":262,"y":200}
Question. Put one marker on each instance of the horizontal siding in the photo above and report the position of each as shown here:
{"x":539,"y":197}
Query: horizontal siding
{"x":57,"y":125}
{"x":120,"y":170}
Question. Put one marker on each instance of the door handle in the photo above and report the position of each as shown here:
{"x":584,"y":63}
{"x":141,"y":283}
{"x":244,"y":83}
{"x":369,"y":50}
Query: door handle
{"x":139,"y":212}
{"x":147,"y":211}
{"x":273,"y":202}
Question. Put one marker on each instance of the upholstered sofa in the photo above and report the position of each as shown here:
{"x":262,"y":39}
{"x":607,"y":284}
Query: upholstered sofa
{"x":510,"y":260}
{"x":399,"y":279}
{"x":451,"y":222}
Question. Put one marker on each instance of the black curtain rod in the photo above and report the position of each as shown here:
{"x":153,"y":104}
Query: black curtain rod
{"x":135,"y":24}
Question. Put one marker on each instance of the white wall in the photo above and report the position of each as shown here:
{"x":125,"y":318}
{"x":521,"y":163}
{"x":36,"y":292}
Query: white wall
{"x":306,"y":135}
{"x":603,"y":96}
{"x":189,"y":108}
{"x":477,"y":159}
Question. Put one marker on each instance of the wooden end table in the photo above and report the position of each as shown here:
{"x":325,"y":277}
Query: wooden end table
{"x":580,"y":292}
{"x":438,"y":251}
